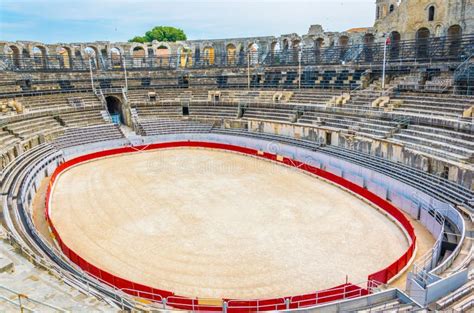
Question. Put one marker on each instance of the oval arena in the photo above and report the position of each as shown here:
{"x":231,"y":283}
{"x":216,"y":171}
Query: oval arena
{"x":204,"y":223}
{"x":322,"y":172}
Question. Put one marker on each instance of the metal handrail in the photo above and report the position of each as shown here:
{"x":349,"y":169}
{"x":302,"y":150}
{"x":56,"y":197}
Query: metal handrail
{"x":29,"y":299}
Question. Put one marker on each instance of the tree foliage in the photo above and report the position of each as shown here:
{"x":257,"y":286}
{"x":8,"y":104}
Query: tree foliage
{"x":161,"y":33}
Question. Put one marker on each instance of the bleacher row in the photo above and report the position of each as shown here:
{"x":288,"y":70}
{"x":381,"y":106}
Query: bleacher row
{"x":79,"y":126}
{"x":450,"y":144}
{"x":310,"y":78}
{"x":351,"y":118}
{"x":442,"y":106}
{"x":35,"y":103}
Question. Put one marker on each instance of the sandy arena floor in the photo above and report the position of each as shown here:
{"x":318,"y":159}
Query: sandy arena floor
{"x":217,"y":224}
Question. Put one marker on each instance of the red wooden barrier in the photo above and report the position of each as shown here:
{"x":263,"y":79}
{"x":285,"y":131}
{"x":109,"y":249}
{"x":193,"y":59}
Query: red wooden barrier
{"x":333,"y":294}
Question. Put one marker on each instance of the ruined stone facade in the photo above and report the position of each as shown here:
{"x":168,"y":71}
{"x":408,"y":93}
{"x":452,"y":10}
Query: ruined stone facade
{"x":439,"y":17}
{"x":316,"y":38}
{"x":403,"y":19}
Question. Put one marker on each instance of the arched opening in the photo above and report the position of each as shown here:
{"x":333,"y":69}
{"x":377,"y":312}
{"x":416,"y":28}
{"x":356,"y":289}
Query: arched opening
{"x":25,"y":53}
{"x":241,"y":54}
{"x":162,"y":56}
{"x":114,"y":107}
{"x":92,"y":56}
{"x":103,"y":54}
{"x":209,"y":56}
{"x":39,"y":56}
{"x":392,"y":8}
{"x":296,"y":50}
{"x":65,"y":57}
{"x":253,"y":53}
{"x":197,"y":55}
{"x":138,"y":56}
{"x":454,"y":39}
{"x":14,"y":55}
{"x":284,"y":51}
{"x":395,"y":45}
{"x":318,"y":45}
{"x":274,"y":52}
{"x":431,"y":13}
{"x":343,"y":43}
{"x":185,"y":57}
{"x":231,"y":51}
{"x":368,"y":47}
{"x":422,"y":39}
{"x":115,"y":58}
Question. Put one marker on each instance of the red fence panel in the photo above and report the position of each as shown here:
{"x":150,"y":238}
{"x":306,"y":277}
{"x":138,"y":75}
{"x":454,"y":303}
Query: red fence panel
{"x":336,"y":293}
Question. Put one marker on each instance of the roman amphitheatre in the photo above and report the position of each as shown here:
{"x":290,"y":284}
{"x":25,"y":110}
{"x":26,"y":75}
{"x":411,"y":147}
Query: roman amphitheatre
{"x":329,"y":171}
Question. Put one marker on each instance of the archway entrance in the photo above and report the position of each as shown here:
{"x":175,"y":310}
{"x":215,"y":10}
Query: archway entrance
{"x":422,"y":42}
{"x":114,"y":107}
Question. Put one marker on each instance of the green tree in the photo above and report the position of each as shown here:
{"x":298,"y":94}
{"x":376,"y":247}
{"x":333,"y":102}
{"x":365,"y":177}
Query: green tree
{"x":161,"y":33}
{"x":138,"y":39}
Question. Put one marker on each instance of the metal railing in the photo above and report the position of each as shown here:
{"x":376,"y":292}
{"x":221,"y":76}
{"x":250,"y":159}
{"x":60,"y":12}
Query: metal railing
{"x":24,"y":302}
{"x":428,"y":50}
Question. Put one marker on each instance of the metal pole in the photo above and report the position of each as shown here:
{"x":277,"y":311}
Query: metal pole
{"x":92,"y":77}
{"x":384,"y":63}
{"x":125,"y":72}
{"x":299,"y":68}
{"x":248,"y":70}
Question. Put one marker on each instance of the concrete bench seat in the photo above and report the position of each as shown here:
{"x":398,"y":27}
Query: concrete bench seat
{"x":419,"y":144}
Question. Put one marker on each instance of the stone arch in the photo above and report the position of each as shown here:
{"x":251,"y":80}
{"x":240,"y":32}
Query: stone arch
{"x":391,"y":9}
{"x":25,"y":53}
{"x":65,"y":57}
{"x":274,"y":52}
{"x":241,"y":52}
{"x":92,"y":53}
{"x":162,"y":54}
{"x":285,"y":45}
{"x":422,"y":42}
{"x":369,"y":39}
{"x":138,"y":50}
{"x":115,"y":57}
{"x":115,"y":109}
{"x":197,"y":54}
{"x":208,"y":55}
{"x":139,"y":54}
{"x":39,"y":53}
{"x":14,"y":54}
{"x":231,"y":52}
{"x":395,"y":38}
{"x":184,"y":57}
{"x":295,"y":46}
{"x":454,"y":39}
{"x":252,"y":50}
{"x":318,"y":45}
{"x":343,"y":43}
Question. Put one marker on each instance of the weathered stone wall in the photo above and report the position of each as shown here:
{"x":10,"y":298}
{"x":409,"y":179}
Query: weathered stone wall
{"x":262,"y":45}
{"x":411,"y":15}
{"x":457,"y":172}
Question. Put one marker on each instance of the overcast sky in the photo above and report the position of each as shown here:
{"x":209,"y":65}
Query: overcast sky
{"x":53,"y":21}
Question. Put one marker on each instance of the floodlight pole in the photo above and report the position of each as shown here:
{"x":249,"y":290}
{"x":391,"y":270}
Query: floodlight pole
{"x":92,"y":76}
{"x":384,"y":63}
{"x":248,"y":70}
{"x":299,"y":67}
{"x":125,"y":73}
